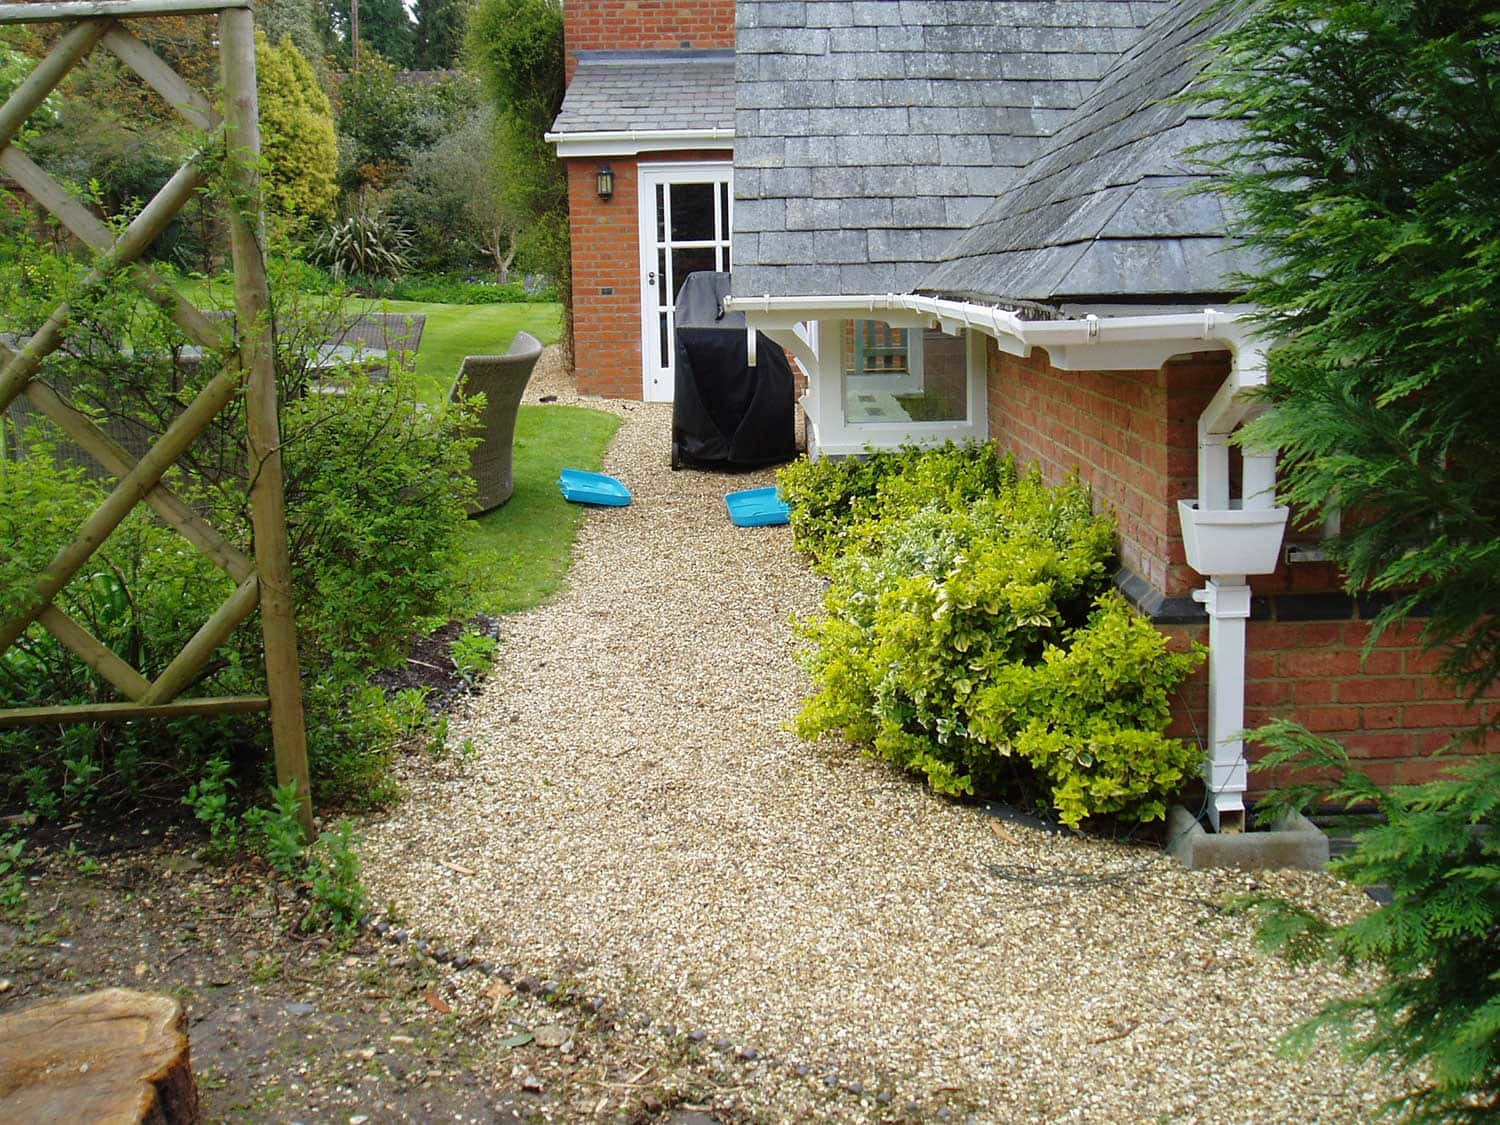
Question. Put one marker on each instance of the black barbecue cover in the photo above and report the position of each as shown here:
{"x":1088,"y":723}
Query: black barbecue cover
{"x":725,"y":412}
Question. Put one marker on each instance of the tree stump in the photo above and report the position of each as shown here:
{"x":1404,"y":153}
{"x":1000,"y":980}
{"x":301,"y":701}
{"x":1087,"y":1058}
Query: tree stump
{"x":115,"y":1056}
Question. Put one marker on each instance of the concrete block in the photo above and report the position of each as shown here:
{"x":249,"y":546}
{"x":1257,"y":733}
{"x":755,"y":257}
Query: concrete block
{"x":1295,"y":843}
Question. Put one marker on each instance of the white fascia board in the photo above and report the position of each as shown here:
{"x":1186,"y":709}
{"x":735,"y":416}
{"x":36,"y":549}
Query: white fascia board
{"x":633,"y":141}
{"x":1116,"y":343}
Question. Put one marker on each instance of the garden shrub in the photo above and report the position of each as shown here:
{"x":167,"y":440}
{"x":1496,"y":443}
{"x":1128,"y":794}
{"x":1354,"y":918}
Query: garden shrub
{"x":969,"y":634}
{"x":448,"y":289}
{"x":830,"y":497}
{"x":375,"y":486}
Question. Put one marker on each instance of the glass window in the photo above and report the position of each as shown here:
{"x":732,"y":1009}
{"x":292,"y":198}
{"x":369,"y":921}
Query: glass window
{"x":903,"y":375}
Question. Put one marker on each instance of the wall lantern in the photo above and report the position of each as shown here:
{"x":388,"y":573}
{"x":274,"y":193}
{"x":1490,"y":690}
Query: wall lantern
{"x":605,"y":182}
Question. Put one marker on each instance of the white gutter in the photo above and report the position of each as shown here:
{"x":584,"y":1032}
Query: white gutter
{"x":1226,"y":539}
{"x":628,"y":142}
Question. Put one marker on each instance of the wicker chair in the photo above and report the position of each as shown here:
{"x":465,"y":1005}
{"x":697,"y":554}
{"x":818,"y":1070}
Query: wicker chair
{"x":502,"y":380}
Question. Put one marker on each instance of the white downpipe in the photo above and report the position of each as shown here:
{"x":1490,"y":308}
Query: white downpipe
{"x":1094,"y":343}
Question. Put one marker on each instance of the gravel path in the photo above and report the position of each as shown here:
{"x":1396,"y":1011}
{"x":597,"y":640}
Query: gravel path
{"x":639,"y":824}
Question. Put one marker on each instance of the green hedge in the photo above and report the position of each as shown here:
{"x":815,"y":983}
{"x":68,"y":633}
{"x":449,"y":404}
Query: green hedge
{"x":970,"y":633}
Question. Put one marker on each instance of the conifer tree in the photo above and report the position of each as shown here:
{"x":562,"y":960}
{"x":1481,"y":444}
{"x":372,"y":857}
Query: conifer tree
{"x":297,"y":135}
{"x":1365,"y":169}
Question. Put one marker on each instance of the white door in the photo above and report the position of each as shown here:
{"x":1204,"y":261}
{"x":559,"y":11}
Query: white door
{"x":685,"y":226}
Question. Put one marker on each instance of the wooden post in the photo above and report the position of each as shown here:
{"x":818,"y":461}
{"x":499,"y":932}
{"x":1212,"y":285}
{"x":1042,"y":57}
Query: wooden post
{"x":257,"y":358}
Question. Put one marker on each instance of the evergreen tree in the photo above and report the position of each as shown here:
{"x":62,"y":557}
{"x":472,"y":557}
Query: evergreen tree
{"x":383,"y":25}
{"x":297,"y":137}
{"x":439,"y":32}
{"x":1365,"y":168}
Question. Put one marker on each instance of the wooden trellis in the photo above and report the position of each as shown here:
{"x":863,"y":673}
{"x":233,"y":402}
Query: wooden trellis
{"x":265,"y":580}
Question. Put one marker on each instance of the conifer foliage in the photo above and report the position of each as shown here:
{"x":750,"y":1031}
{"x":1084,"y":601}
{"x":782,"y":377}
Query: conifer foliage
{"x":1365,"y":170}
{"x":296,"y":121}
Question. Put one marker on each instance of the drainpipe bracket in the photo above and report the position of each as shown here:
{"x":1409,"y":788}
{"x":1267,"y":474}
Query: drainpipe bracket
{"x":1226,"y":597}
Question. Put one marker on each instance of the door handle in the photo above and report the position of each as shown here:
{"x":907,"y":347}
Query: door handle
{"x":651,"y":278}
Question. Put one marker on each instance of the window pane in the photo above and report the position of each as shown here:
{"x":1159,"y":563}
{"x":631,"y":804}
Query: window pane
{"x":664,"y":356}
{"x":942,"y":395}
{"x":724,"y":227}
{"x":884,"y":381}
{"x":693,"y":212}
{"x":685,"y":262}
{"x":661,"y":213}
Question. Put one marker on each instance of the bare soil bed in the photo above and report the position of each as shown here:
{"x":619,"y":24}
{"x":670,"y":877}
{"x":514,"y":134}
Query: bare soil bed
{"x":285,"y":1027}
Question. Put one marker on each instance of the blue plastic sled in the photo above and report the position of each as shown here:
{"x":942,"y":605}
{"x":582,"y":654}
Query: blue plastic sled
{"x":579,"y":487}
{"x":757,"y":507}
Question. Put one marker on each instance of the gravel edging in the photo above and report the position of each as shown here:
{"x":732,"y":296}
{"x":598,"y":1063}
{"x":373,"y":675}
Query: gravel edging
{"x":638,"y":825}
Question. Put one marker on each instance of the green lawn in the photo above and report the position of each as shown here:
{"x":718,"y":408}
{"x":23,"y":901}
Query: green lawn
{"x":521,"y":551}
{"x":454,"y":331}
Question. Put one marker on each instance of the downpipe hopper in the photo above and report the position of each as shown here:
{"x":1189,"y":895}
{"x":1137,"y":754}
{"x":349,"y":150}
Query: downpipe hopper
{"x":1227,"y":539}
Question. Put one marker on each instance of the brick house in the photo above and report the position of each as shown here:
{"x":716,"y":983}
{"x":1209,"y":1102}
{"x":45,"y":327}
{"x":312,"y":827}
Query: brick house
{"x":646,"y":132}
{"x":972,"y":219}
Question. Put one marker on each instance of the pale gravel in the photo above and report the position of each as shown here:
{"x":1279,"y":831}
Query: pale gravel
{"x":639,"y":821}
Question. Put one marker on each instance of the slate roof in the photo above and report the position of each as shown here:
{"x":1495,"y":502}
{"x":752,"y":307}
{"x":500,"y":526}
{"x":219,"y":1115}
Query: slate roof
{"x":1104,"y":211}
{"x":869,"y":133}
{"x":616,"y":91}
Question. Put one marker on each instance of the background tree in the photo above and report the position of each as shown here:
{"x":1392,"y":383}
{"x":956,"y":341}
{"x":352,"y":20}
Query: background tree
{"x":304,"y":20}
{"x":439,"y":32}
{"x":297,"y":136}
{"x":453,"y":198}
{"x":383,"y":25}
{"x":1366,"y":171}
{"x":384,"y":120}
{"x":516,"y":48}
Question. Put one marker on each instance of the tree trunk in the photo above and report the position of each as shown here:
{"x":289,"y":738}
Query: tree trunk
{"x":114,"y":1056}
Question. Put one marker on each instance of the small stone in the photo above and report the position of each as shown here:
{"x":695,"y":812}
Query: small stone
{"x":651,"y":1104}
{"x":723,"y":1044}
{"x":697,"y":1036}
{"x":550,"y":988}
{"x":884,"y":1098}
{"x":6,"y":984}
{"x":531,"y":1084}
{"x":644,"y":1021}
{"x":856,"y":1088}
{"x":359,"y":1119}
{"x":528,"y":984}
{"x":299,"y":1008}
{"x":486,"y":966}
{"x":830,"y":1080}
{"x":551,"y":1035}
{"x":399,"y":937}
{"x":748,"y":1054}
{"x":597,"y":1003}
{"x":669,"y":1030}
{"x":461,"y":962}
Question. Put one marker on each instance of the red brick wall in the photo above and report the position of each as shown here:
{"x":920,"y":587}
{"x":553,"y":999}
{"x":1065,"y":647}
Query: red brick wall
{"x":1388,"y":710}
{"x":640,"y":25}
{"x":1131,"y":434}
{"x":607,"y":256}
{"x":1133,"y":437}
